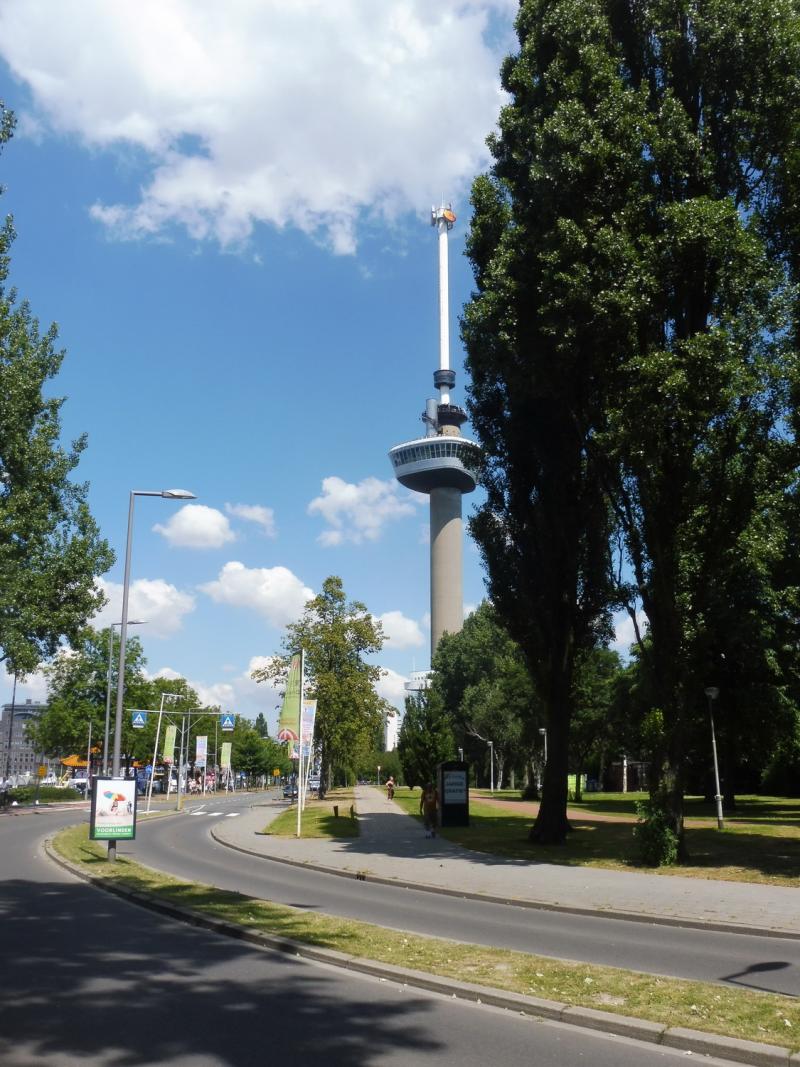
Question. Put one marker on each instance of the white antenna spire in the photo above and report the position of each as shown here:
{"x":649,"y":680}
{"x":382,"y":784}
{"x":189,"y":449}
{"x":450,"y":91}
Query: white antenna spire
{"x":443,"y":219}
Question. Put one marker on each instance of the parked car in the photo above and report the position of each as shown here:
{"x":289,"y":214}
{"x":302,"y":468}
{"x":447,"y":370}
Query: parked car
{"x":290,"y":791}
{"x":313,"y":784}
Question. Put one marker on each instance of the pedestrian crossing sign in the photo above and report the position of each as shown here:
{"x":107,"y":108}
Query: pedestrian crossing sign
{"x":227,"y":720}
{"x":138,"y":719}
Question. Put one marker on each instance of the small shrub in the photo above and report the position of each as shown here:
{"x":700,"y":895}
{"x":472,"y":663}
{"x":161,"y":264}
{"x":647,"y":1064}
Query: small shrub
{"x":530,"y":792}
{"x":25,"y":794}
{"x":658,"y":842}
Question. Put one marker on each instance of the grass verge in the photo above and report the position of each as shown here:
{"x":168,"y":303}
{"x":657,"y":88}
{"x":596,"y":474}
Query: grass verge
{"x":318,"y":818}
{"x":763,"y":852}
{"x":745,"y":1014}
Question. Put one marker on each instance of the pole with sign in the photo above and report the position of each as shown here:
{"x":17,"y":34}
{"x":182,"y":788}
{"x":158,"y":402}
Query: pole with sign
{"x":201,"y":756}
{"x":225,"y":761}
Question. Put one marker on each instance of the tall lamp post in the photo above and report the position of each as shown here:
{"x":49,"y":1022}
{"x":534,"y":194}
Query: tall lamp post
{"x":712,"y":692}
{"x":491,"y":766}
{"x":543,"y":732}
{"x":132,"y":622}
{"x":167,"y":494}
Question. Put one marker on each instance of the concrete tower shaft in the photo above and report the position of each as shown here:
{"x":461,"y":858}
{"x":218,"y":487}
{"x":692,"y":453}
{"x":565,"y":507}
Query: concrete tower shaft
{"x":442,"y":464}
{"x":447,"y":541}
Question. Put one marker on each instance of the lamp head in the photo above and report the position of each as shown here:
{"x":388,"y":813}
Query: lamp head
{"x":178,"y":494}
{"x":712,"y":692}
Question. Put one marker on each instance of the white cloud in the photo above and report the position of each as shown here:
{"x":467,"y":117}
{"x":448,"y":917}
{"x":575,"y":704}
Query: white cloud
{"x":263,"y":517}
{"x":400,"y":630}
{"x":391,"y":686}
{"x":274,"y":592}
{"x":160,"y":605}
{"x":624,"y":634}
{"x":33,"y":688}
{"x":240,"y":694}
{"x":196,"y":526}
{"x":297,"y":114}
{"x":359,"y":512}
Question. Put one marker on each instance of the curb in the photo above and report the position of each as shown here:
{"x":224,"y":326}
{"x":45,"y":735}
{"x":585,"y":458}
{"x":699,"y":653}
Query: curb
{"x":535,"y":905}
{"x":734,"y":1050}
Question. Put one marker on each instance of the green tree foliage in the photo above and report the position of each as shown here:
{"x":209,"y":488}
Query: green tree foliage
{"x":76,"y":693}
{"x":336,"y":635}
{"x":594,"y":726}
{"x":486,"y":689}
{"x":634,"y":328}
{"x":532,"y":346}
{"x":425,"y":739}
{"x":50,"y":548}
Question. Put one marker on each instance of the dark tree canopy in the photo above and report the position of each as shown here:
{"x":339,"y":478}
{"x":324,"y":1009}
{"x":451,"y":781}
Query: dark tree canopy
{"x":633,"y":346}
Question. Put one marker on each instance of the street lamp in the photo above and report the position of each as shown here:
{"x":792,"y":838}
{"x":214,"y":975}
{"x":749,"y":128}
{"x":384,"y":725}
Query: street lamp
{"x":491,"y":765}
{"x":132,"y":622}
{"x":167,"y":494}
{"x":712,"y":692}
{"x":543,"y":732}
{"x":379,"y":776}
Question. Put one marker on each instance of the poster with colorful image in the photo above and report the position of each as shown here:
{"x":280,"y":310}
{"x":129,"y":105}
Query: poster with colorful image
{"x":113,"y":814}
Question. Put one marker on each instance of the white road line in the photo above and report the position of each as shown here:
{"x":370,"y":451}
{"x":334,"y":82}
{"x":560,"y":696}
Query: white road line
{"x":231,"y":814}
{"x":211,"y":814}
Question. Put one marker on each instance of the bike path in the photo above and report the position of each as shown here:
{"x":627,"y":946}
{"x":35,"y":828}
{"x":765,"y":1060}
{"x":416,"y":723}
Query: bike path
{"x":392,"y":847}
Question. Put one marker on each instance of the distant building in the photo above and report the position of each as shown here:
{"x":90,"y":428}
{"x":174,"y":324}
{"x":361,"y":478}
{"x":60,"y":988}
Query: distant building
{"x":18,"y":758}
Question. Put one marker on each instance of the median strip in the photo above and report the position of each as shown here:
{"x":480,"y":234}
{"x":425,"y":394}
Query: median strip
{"x":752,"y":1027}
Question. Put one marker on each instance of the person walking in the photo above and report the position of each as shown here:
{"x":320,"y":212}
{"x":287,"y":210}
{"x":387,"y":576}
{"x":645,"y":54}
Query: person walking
{"x":429,"y":807}
{"x":390,"y":788}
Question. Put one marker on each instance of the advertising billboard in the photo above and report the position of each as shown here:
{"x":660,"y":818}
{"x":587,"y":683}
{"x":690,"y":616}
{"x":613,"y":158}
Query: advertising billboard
{"x":113,"y":813}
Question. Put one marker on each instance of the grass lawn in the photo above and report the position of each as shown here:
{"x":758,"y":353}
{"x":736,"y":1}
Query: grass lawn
{"x":761,"y":849}
{"x":318,"y":819}
{"x":718,"y":1009}
{"x":749,"y":808}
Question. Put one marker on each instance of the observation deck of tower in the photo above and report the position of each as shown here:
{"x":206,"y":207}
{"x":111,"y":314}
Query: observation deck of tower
{"x":442,"y":464}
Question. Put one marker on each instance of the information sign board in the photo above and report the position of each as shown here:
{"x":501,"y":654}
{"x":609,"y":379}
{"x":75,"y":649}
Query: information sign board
{"x":113,"y":813}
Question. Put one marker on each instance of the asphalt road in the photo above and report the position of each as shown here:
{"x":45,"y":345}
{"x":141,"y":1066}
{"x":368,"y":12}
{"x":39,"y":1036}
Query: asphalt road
{"x":183,"y":846}
{"x":91,"y":980}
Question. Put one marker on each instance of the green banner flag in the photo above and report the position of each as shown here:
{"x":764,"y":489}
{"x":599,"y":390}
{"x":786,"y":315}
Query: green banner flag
{"x":225,"y":756}
{"x":289,"y":722}
{"x":169,"y":744}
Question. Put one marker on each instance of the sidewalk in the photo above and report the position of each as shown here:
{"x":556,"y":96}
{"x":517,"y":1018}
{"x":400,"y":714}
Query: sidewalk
{"x":393,"y":847}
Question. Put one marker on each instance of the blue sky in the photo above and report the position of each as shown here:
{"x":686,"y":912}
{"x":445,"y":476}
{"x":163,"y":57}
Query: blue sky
{"x":225,"y":208}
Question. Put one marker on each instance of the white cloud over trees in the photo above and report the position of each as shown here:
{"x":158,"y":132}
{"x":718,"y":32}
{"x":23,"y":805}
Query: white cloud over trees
{"x":274,"y":592}
{"x":401,"y":631}
{"x":308,"y":115}
{"x":155,"y":601}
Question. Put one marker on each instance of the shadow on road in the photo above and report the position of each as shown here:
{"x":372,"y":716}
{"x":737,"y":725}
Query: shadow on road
{"x":91,"y":979}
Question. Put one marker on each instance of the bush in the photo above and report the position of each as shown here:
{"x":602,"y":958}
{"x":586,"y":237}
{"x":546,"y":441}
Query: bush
{"x":24,"y":794}
{"x":658,"y":842}
{"x":530,"y":792}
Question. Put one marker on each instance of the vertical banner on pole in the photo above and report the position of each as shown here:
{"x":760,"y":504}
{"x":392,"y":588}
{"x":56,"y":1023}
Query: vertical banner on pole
{"x":289,"y":721}
{"x":225,"y":762}
{"x":169,"y":744}
{"x":202,"y":751}
{"x":308,"y":717}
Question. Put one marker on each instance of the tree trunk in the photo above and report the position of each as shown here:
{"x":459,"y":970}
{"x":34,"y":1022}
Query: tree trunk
{"x":552,"y":826}
{"x":578,"y":794}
